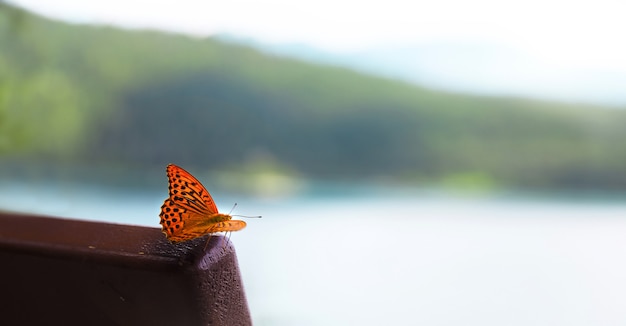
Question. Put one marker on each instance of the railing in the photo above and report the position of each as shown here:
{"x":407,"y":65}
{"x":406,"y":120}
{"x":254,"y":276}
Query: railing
{"x":68,"y":272}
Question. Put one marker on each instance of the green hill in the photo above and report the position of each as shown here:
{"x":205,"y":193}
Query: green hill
{"x":105,"y":96}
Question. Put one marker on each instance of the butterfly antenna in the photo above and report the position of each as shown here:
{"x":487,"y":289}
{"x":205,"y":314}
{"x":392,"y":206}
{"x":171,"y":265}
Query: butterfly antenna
{"x":257,"y":216}
{"x":232,"y":209}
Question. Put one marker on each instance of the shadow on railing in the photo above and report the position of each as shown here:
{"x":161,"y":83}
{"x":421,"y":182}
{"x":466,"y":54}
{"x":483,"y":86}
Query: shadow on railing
{"x":60,"y":271}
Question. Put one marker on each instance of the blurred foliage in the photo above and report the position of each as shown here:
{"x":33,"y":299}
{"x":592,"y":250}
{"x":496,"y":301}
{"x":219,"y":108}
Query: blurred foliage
{"x":100,"y":95}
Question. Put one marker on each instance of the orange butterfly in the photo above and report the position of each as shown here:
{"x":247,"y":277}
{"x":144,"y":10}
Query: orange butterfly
{"x":190,"y":212}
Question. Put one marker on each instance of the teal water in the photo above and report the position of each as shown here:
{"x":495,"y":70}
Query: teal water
{"x":393,"y":258}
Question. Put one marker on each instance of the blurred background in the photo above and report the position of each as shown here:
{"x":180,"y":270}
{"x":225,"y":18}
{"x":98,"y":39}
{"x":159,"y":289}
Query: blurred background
{"x":415,"y":162}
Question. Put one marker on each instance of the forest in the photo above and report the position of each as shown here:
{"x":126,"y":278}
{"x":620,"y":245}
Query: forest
{"x":84,"y":95}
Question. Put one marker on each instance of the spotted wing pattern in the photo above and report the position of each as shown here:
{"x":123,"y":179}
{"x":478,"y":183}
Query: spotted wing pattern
{"x":190,"y":212}
{"x":186,"y":190}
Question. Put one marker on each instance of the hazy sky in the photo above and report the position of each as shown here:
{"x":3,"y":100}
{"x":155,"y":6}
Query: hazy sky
{"x":572,"y":32}
{"x":586,"y":36}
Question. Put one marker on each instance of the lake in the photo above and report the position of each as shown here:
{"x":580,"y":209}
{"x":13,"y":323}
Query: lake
{"x":400,"y":258}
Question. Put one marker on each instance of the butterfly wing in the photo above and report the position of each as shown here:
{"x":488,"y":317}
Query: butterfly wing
{"x":178,"y":222}
{"x":227,"y":226}
{"x":190,"y":212}
{"x":187,"y":191}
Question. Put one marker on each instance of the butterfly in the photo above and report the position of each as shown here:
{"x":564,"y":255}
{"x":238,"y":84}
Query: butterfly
{"x":190,"y":212}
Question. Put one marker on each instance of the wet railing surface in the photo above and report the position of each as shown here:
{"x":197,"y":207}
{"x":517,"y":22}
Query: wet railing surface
{"x":69,"y":272}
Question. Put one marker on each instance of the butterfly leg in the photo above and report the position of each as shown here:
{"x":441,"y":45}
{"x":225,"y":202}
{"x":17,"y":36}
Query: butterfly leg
{"x":226,"y":238}
{"x":207,"y":241}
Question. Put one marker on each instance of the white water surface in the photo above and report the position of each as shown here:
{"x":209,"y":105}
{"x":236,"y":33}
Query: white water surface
{"x":393,"y":259}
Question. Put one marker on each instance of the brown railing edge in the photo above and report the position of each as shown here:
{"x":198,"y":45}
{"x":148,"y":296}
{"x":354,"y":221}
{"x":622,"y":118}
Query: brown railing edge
{"x":78,"y":272}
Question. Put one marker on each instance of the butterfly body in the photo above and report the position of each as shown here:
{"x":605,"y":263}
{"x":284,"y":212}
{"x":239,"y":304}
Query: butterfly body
{"x":189,"y":212}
